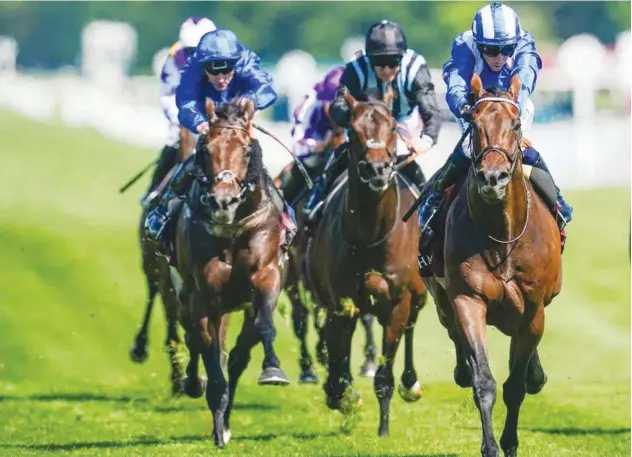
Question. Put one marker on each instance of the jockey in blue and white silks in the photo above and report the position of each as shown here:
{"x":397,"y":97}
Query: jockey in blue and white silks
{"x":221,"y":69}
{"x":495,"y":48}
{"x":191,"y":30}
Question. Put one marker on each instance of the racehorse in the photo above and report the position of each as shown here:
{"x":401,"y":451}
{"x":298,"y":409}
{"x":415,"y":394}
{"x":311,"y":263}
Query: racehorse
{"x":496,"y":261}
{"x":300,"y":309}
{"x":227,"y":250}
{"x":362,"y":259}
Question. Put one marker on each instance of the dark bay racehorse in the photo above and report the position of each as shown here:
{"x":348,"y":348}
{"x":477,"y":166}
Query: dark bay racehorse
{"x":362,"y":259}
{"x":300,"y":309}
{"x":502,"y":255}
{"x":227,"y":240}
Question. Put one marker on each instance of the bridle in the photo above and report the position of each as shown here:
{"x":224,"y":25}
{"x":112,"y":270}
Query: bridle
{"x":227,"y":175}
{"x":517,"y":157}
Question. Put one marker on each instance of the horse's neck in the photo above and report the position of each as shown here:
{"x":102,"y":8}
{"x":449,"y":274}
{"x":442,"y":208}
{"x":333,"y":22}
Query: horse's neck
{"x":505,"y":220}
{"x":368,"y":216}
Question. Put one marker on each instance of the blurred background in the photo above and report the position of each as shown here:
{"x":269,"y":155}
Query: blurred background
{"x":55,"y":57}
{"x":79,"y":115}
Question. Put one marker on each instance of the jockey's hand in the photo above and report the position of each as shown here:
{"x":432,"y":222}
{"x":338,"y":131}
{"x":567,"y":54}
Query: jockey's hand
{"x":420,"y":145}
{"x":466,"y":113}
{"x":203,"y":128}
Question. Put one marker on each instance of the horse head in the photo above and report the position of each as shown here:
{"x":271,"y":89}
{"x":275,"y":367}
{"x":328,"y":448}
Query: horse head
{"x":227,"y":155}
{"x":373,"y":139}
{"x":495,"y":136}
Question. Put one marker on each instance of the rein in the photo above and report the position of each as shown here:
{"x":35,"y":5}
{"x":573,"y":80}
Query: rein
{"x":505,"y":154}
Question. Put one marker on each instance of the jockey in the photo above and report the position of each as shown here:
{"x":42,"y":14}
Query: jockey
{"x":496,"y":48}
{"x":312,"y":130}
{"x":191,"y":30}
{"x":220,"y":69}
{"x":386,"y":60}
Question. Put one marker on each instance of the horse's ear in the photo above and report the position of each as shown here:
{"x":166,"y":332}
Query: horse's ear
{"x":476,"y":86}
{"x":210,"y":111}
{"x":388,"y":95}
{"x":249,"y":109}
{"x":351,"y":102}
{"x":514,"y":87}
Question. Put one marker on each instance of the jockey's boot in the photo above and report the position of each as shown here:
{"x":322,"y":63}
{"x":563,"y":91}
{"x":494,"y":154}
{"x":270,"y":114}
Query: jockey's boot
{"x":176,"y":188}
{"x":335,"y":167}
{"x":414,"y":172}
{"x":543,"y":183}
{"x":166,"y":159}
{"x":454,"y":168}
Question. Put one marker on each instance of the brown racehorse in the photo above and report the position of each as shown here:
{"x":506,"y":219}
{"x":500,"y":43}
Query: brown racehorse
{"x":502,"y":266}
{"x":362,"y":259}
{"x":156,"y":270}
{"x":227,"y":239}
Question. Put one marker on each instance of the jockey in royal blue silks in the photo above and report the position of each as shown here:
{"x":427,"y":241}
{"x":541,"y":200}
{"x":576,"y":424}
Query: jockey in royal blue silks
{"x":191,"y":31}
{"x":496,"y":48}
{"x":220,"y":69}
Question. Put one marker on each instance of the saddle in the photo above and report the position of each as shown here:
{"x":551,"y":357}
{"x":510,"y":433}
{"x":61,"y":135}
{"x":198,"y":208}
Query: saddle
{"x":430,"y":256}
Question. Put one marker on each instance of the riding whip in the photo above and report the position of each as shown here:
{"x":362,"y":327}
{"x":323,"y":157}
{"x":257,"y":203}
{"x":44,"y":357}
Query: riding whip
{"x":137,"y":176}
{"x":301,"y":168}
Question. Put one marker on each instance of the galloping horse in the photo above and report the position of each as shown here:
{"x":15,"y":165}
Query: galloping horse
{"x":227,"y":239}
{"x":156,"y":270}
{"x":301,"y":311}
{"x":362,"y":258}
{"x":499,"y":264}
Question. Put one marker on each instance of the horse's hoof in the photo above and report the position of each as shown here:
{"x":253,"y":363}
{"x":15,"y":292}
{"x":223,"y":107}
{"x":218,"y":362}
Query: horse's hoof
{"x":410,"y":395}
{"x":191,"y":389}
{"x":535,"y":386}
{"x":351,"y":401}
{"x":308,"y":377}
{"x":273,"y":376}
{"x":368,"y":369}
{"x":138,"y":354}
{"x":227,"y":434}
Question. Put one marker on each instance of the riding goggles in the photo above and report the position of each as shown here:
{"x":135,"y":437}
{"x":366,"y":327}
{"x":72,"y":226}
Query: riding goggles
{"x":219,"y":66}
{"x":386,"y":61}
{"x":493,"y":51}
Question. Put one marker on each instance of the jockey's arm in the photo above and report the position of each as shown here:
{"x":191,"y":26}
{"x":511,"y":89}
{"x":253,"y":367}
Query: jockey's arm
{"x":190,"y":98}
{"x":257,"y":82}
{"x":457,"y":74}
{"x":423,"y":93}
{"x":339,"y":111}
{"x":527,"y":64}
{"x":169,"y":81}
{"x":302,"y":144}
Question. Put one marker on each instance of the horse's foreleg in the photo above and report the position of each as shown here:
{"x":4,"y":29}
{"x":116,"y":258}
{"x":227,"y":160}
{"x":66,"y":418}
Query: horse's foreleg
{"x":300,"y":316}
{"x":173,"y":344}
{"x":139,"y":352}
{"x":239,"y":358}
{"x":471,"y":327}
{"x":267,"y":284}
{"x":394,"y":326}
{"x":369,"y":367}
{"x":338,"y":387}
{"x":410,"y":388}
{"x":217,"y":387}
{"x":193,"y":385}
{"x":320,"y":319}
{"x":523,"y":347}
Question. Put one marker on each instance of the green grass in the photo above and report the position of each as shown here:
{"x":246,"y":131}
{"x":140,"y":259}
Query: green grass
{"x":72,"y":295}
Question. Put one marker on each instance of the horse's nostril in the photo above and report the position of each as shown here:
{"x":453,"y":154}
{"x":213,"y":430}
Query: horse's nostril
{"x":503,"y":176}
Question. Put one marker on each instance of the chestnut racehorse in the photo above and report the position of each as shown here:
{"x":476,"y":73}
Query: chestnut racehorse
{"x":496,"y":262}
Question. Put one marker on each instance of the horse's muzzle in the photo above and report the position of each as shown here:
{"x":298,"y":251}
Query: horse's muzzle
{"x":223,"y":206}
{"x":492,"y":184}
{"x":376,"y":174}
